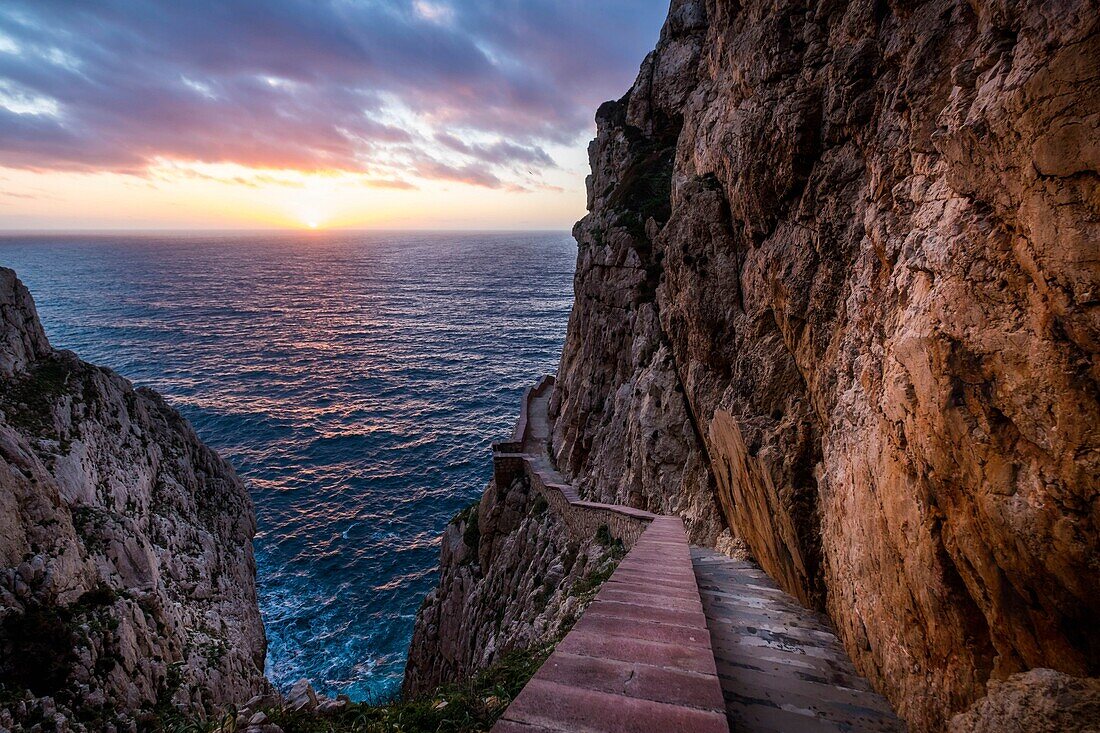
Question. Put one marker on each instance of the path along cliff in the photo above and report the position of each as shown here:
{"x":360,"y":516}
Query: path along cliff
{"x":836,"y":306}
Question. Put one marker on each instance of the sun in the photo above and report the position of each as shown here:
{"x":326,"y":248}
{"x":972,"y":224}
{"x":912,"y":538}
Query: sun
{"x":311,"y":224}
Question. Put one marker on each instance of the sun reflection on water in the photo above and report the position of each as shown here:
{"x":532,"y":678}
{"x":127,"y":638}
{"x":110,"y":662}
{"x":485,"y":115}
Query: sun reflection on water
{"x":354,"y":380}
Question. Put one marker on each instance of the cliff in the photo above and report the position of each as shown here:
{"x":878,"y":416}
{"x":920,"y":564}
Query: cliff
{"x":840,"y":272}
{"x":836,"y":301}
{"x":512,"y":576}
{"x":127,"y":580}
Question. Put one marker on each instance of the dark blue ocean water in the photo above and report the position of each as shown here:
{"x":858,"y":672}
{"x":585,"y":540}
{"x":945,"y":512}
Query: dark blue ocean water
{"x":354,"y":380}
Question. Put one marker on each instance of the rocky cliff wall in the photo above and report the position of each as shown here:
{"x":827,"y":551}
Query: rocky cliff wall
{"x":511,"y":575}
{"x":838,"y":291}
{"x":127,"y":579}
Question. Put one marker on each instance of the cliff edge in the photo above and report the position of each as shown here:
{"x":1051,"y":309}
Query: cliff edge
{"x":127,"y":579}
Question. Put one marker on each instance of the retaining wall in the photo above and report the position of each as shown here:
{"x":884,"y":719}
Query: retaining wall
{"x":583,"y":518}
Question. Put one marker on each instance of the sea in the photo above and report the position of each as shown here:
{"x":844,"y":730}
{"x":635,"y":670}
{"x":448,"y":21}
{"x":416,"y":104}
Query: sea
{"x":354,"y":380}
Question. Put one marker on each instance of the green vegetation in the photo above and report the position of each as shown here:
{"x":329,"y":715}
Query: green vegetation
{"x":590,"y":584}
{"x":464,"y":708}
{"x":471,"y":535}
{"x":28,"y":401}
{"x":50,"y":634}
{"x":645,"y":189}
{"x":167,"y":717}
{"x":603,"y":536}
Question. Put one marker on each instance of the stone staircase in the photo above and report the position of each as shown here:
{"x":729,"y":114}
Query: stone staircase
{"x":638,"y":659}
{"x":680,"y":638}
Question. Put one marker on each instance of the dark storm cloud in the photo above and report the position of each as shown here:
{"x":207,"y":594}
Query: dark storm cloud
{"x":114,"y":85}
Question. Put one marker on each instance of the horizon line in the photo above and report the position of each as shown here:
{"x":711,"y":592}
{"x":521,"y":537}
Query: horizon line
{"x":279,"y":230}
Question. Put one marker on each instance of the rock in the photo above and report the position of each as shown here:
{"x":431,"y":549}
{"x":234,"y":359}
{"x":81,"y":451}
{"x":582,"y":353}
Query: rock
{"x":1038,"y":701}
{"x":496,"y":597}
{"x":22,"y":339}
{"x":301,"y":696}
{"x":331,"y":707}
{"x":258,"y":718}
{"x":439,"y":705}
{"x":254,"y":702}
{"x":837,"y":293}
{"x":113,"y":515}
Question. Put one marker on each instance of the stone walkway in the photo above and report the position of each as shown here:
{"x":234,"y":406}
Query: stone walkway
{"x":638,"y":660}
{"x":536,"y":441}
{"x":679,"y":639}
{"x":781,"y":667}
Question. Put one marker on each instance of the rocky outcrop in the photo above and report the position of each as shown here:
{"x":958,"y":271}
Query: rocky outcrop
{"x":624,"y":430}
{"x":127,"y":579}
{"x":511,"y":575}
{"x":1039,"y":701}
{"x":837,"y":291}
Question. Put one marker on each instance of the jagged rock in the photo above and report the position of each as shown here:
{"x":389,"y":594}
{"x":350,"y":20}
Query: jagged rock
{"x":508,"y":568}
{"x":126,"y":566}
{"x":301,"y":696}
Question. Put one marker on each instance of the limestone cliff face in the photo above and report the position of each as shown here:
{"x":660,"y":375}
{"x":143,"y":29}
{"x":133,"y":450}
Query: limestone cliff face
{"x":126,"y":570}
{"x":839,"y":291}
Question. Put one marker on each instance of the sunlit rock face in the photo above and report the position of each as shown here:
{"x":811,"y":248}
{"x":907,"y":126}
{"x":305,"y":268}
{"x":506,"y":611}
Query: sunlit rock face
{"x":838,"y":290}
{"x":126,"y":569}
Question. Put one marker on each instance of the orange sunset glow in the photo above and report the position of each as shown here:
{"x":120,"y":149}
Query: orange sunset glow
{"x":229,"y":196}
{"x":300,"y":115}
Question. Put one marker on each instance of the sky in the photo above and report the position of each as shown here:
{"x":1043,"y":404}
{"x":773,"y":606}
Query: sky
{"x":227,"y":114}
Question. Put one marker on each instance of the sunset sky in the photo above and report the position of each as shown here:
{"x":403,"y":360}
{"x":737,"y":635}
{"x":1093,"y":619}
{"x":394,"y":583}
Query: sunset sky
{"x":470,"y":114}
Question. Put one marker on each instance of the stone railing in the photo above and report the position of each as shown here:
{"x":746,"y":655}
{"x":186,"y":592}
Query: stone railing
{"x":585,"y":518}
{"x":517,"y":457}
{"x":640,"y":656}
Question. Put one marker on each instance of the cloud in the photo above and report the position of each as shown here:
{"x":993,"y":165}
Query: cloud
{"x":502,"y":152}
{"x":312,"y":85}
{"x":470,"y":174}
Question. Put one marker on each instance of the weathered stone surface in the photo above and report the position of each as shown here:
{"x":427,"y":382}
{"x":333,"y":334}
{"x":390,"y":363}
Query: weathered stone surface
{"x":1039,"y":701}
{"x":624,"y":429}
{"x":126,"y":566}
{"x":301,"y":696}
{"x":840,"y":278}
{"x":507,"y":577}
